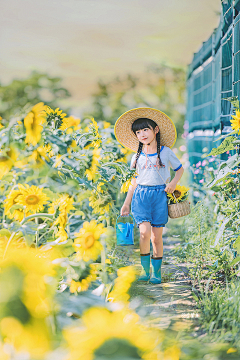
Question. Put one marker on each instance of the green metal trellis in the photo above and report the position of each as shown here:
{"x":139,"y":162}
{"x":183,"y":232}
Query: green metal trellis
{"x":214,"y":75}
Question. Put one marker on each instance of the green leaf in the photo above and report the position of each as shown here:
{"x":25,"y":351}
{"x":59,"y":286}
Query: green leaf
{"x":227,"y":145}
{"x":221,"y":230}
{"x":28,"y":230}
{"x":81,"y":213}
{"x":236,"y":244}
{"x":233,"y":100}
{"x":56,"y":140}
{"x":16,"y":207}
{"x":52,"y":196}
{"x":235,"y":261}
{"x":225,"y":169}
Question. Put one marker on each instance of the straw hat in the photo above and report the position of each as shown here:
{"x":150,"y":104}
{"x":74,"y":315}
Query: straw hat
{"x":126,"y":137}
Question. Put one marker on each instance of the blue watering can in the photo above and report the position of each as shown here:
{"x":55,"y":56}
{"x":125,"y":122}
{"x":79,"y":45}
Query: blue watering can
{"x":124,"y":233}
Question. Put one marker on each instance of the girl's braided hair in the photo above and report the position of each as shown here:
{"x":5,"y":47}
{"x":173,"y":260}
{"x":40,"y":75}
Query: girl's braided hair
{"x":143,"y":123}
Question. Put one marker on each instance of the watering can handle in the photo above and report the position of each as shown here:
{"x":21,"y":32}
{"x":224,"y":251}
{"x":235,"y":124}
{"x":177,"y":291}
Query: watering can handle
{"x":125,"y":216}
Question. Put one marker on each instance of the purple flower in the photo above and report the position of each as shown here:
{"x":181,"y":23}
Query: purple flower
{"x":197,"y":171}
{"x":198,"y":164}
{"x":204,"y":162}
{"x":201,"y":181}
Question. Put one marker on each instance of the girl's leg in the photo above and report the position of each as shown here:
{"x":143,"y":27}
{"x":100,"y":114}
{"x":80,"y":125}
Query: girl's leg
{"x":145,"y":234}
{"x":157,"y":241}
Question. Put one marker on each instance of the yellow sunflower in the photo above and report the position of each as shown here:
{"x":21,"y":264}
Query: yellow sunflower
{"x":100,"y":200}
{"x":86,"y":243}
{"x":55,"y":112}
{"x":106,"y":124}
{"x":94,"y":127}
{"x":1,"y":126}
{"x":125,"y":186}
{"x":63,"y":204}
{"x":126,"y":152}
{"x":11,"y":200}
{"x":70,"y":124}
{"x":33,"y":123}
{"x":83,"y":284}
{"x":91,"y":172}
{"x":179,"y":193}
{"x":120,"y":332}
{"x":7,"y":160}
{"x":235,"y":122}
{"x":122,"y":284}
{"x":33,"y":198}
{"x":34,"y":283}
{"x":39,"y":155}
{"x":72,"y":147}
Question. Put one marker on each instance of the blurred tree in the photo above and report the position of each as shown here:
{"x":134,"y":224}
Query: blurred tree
{"x":37,"y":87}
{"x":161,"y":87}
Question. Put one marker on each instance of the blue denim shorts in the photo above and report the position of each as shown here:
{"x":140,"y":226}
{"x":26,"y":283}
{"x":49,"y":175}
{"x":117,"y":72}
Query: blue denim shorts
{"x":149,"y":203}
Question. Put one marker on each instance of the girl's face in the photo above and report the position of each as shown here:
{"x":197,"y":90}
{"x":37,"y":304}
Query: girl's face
{"x":146,"y":136}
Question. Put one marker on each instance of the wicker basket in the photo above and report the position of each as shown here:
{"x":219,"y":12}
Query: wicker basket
{"x":179,"y":209}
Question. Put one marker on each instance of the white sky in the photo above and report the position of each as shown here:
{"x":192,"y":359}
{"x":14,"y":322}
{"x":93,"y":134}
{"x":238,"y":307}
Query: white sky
{"x":84,"y":40}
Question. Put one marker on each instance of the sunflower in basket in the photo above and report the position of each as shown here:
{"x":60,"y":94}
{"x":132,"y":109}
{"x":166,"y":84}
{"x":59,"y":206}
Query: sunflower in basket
{"x":180,"y":193}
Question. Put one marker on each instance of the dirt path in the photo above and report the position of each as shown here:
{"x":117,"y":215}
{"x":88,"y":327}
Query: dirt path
{"x":169,"y":304}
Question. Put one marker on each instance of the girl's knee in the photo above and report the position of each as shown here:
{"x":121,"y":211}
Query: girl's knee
{"x":145,"y":234}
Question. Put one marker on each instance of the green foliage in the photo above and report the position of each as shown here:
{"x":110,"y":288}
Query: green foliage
{"x":224,"y":170}
{"x":220,"y":315}
{"x":229,"y":143}
{"x":161,"y":87}
{"x":38,"y":87}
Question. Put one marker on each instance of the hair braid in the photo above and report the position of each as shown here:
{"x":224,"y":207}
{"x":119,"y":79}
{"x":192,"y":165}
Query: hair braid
{"x":140,"y":146}
{"x":159,"y":161}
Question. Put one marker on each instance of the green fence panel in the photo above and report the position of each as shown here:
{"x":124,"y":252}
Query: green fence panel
{"x":213,"y":76}
{"x":236,"y":56}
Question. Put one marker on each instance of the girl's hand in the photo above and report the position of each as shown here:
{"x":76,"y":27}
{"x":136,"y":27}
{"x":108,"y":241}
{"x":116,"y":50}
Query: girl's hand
{"x":170,"y":187}
{"x":125,"y":210}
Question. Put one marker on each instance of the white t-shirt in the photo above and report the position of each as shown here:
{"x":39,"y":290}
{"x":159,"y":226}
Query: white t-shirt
{"x":147,"y":171}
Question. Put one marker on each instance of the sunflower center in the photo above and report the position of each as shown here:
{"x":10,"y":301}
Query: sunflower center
{"x":3,"y":158}
{"x":118,"y":349}
{"x":88,"y":241}
{"x":177,"y":193}
{"x":32,"y":199}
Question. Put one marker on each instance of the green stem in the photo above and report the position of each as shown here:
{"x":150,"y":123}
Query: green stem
{"x":10,"y":239}
{"x":36,"y":221}
{"x":40,"y":215}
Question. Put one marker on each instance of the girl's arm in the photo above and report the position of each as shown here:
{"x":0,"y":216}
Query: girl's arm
{"x":125,"y":210}
{"x":172,"y":185}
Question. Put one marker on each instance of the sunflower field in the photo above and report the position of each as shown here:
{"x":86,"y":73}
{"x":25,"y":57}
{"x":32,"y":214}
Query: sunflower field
{"x":59,"y":179}
{"x":64,"y":286}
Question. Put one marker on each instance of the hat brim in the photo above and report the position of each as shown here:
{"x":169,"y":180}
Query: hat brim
{"x":126,"y":137}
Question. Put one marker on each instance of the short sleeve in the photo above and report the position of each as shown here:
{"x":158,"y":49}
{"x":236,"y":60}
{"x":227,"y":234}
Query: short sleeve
{"x":173,"y":160}
{"x":132,"y":161}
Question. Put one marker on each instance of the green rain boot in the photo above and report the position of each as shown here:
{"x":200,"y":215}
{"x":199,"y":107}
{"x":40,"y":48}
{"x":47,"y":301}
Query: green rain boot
{"x":156,"y":270}
{"x":145,"y":262}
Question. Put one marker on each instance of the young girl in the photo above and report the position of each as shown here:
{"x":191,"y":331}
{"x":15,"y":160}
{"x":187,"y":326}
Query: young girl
{"x":150,"y":133}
